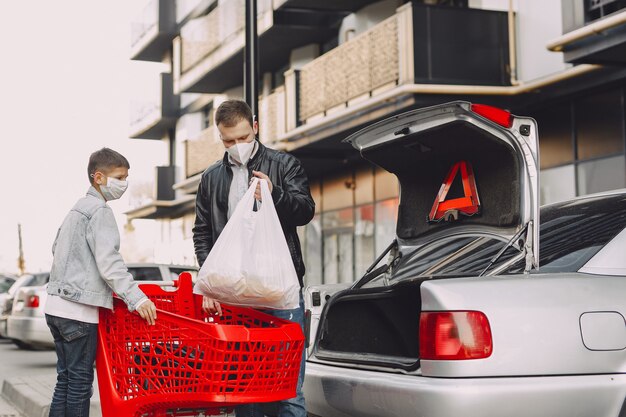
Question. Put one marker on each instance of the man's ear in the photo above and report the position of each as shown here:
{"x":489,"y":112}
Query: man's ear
{"x":255,"y":126}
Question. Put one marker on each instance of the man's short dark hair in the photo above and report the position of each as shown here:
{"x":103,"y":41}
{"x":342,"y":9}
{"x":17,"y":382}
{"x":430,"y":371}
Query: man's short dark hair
{"x":231,"y":112}
{"x":105,"y":159}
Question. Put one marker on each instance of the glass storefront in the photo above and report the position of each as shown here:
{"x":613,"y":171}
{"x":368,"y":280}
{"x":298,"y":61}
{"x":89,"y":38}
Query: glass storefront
{"x":582,"y":146}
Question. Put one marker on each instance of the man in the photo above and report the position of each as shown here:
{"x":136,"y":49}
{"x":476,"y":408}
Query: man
{"x":222,"y":186}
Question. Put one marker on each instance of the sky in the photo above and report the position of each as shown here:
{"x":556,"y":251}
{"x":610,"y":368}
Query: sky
{"x":66,"y":84}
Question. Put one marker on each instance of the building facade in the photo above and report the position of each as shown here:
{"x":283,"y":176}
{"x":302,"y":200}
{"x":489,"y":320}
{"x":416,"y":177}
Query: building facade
{"x":330,"y":67}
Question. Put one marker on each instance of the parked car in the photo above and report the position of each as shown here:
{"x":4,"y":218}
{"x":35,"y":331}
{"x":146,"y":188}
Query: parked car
{"x":27,"y":323}
{"x":160,"y":272}
{"x":6,"y":299}
{"x":477,"y":311}
{"x":5,"y":283}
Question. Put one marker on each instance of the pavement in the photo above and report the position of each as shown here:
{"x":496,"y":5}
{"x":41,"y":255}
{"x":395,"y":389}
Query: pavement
{"x":29,"y":396}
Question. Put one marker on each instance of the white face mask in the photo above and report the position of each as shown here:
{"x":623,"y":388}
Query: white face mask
{"x":114,"y":188}
{"x":241,"y":152}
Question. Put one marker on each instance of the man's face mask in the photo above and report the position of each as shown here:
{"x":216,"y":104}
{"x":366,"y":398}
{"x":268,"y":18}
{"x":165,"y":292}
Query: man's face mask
{"x":241,"y":152}
{"x":114,"y":188}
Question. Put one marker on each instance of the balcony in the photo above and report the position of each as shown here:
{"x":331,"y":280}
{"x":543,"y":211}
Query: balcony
{"x":153,"y":31}
{"x":210,"y":48}
{"x":594,"y":32}
{"x":152,"y":120}
{"x":272,"y":117}
{"x":202,"y":151}
{"x":348,"y":6}
{"x":420,"y":44}
{"x":162,"y":203}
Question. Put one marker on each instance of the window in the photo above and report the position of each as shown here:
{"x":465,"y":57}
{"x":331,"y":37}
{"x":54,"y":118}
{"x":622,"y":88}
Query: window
{"x":175,"y":272}
{"x":557,"y":184}
{"x":555,"y":136}
{"x":599,"y":121}
{"x":338,"y":232}
{"x":571,"y":234}
{"x":386,"y":218}
{"x":312,"y":249}
{"x":601,"y":175}
{"x":364,"y":251}
{"x":151,"y":273}
{"x":5,"y":284}
{"x":464,"y":256}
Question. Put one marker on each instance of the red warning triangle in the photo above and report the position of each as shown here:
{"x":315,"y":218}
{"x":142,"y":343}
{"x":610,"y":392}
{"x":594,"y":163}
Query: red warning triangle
{"x":450,"y":209}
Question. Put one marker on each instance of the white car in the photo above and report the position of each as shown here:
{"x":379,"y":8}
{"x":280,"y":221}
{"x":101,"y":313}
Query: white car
{"x":27,"y":326}
{"x":482,"y":307}
{"x":6,"y":298}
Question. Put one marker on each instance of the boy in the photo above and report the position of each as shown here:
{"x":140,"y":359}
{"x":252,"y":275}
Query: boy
{"x":86,"y":267}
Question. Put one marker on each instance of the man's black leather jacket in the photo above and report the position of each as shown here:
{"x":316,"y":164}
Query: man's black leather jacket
{"x":291,"y":195}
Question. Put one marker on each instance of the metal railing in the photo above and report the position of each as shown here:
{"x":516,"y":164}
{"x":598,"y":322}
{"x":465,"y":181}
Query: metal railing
{"x":148,"y":19}
{"x":353,"y":69}
{"x":202,"y":36}
{"x":272,"y":116}
{"x":202,"y":151}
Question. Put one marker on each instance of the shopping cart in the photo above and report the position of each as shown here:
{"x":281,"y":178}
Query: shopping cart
{"x":190,"y":362}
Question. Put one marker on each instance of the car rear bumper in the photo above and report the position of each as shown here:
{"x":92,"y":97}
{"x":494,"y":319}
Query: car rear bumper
{"x":29,"y":330}
{"x":339,"y":392}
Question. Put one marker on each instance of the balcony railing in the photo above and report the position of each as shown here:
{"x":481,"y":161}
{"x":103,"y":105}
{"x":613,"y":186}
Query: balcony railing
{"x":152,"y":32}
{"x":152,"y":119}
{"x":353,"y":69}
{"x":208,"y":52}
{"x":408,"y":47}
{"x":202,"y":151}
{"x":594,"y":34}
{"x":272,"y":116}
{"x":203,"y":35}
{"x":148,"y":19}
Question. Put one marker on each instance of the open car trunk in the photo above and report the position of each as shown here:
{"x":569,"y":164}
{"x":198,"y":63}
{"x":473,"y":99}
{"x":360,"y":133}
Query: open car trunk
{"x":450,"y":223}
{"x":373,"y":327}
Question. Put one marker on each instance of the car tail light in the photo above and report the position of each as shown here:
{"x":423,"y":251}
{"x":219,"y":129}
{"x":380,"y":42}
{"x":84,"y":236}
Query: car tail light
{"x":455,"y":335}
{"x":33,"y":301}
{"x":496,"y":115}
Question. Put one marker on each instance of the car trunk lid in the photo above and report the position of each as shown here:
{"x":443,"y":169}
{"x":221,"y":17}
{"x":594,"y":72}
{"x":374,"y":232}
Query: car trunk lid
{"x":461,"y":168}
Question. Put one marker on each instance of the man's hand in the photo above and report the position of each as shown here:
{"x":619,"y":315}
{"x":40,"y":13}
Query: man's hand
{"x":147,"y":311}
{"x":257,"y":192}
{"x":211,"y":306}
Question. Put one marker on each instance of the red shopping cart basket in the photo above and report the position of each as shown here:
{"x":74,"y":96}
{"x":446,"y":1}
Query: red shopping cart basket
{"x":189,"y":362}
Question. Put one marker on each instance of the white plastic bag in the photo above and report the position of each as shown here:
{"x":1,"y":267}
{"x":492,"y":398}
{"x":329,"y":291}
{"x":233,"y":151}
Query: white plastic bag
{"x":250,"y":263}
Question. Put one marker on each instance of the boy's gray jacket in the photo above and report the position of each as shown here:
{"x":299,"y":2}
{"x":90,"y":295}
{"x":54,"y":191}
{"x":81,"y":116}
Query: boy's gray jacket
{"x":87,"y":265}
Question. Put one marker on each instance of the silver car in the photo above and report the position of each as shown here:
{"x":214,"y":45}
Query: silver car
{"x":465,"y":316}
{"x":6,"y":281}
{"x":26,"y":325}
{"x":6,"y":299}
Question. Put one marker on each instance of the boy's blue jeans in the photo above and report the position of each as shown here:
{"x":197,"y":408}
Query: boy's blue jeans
{"x":293,"y":407}
{"x":75,"y":343}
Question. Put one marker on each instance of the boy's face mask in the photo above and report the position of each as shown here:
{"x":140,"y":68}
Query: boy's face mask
{"x":113,"y":189}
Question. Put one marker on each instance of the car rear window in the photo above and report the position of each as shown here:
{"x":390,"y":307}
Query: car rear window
{"x":39,"y":279}
{"x":5,"y":284}
{"x":148,"y":273}
{"x":175,"y":272}
{"x":572,"y":233}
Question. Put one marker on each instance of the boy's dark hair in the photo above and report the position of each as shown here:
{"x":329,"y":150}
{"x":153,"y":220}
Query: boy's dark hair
{"x":231,"y":112}
{"x":105,"y":159}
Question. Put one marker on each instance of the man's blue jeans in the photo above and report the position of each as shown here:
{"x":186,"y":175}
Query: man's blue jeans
{"x":293,"y":407}
{"x":75,"y":344}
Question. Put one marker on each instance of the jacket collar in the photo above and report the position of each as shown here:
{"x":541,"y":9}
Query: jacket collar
{"x":94,"y":193}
